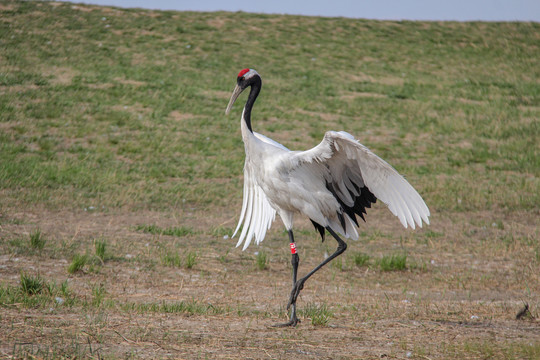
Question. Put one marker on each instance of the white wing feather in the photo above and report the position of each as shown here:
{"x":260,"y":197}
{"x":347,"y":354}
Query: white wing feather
{"x":257,"y":214}
{"x":350,"y":162}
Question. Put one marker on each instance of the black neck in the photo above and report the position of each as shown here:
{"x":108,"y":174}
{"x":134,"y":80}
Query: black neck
{"x":253,"y":93}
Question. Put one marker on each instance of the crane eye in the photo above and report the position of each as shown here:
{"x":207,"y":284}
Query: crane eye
{"x":242,"y":78}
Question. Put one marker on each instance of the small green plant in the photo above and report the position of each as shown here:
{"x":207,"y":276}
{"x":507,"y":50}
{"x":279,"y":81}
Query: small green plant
{"x":223,"y":258}
{"x":172,"y":231}
{"x":172,"y":259}
{"x":498,"y":224}
{"x":337,"y":264}
{"x":361,"y":259}
{"x":261,"y":260}
{"x":396,"y":262}
{"x":64,"y":288}
{"x":98,"y":292}
{"x":78,"y":262}
{"x":37,"y":241}
{"x":31,"y":285}
{"x":320,"y":315}
{"x":191,"y":259}
{"x":433,"y":234}
{"x":17,"y":244}
{"x":50,"y":287}
{"x":222,"y":231}
{"x":188,"y":307}
{"x":100,"y":246}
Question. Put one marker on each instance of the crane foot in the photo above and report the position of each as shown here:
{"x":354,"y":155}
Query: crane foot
{"x":291,"y":323}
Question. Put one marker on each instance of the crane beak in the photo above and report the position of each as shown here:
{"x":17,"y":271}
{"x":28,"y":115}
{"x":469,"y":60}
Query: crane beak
{"x":236,"y":92}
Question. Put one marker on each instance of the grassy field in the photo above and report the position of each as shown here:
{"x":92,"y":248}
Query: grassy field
{"x":121,"y":182}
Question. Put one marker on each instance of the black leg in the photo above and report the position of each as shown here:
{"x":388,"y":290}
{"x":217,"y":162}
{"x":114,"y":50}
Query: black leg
{"x":299,"y":285}
{"x":295,"y":259}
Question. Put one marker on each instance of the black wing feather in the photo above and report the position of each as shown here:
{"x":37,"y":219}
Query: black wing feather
{"x":361,"y":202}
{"x":319,"y":228}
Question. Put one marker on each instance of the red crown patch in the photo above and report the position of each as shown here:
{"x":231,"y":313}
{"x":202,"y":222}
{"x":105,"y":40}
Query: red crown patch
{"x":243,"y":72}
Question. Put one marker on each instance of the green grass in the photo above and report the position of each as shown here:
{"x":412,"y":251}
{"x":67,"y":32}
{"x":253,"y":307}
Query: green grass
{"x":361,"y":259}
{"x":98,"y":294}
{"x":100,"y":247}
{"x":37,"y":241}
{"x":261,"y":260}
{"x":32,"y":285}
{"x":221,"y":231}
{"x":38,"y":351}
{"x":172,"y":231}
{"x":444,"y":102}
{"x":183,"y":307}
{"x":78,"y":262}
{"x":337,"y":264}
{"x":36,"y":292}
{"x":320,"y":315}
{"x":173,"y":259}
{"x":191,"y":260}
{"x":64,"y":289}
{"x":32,"y":245}
{"x":485,"y":349}
{"x":395,"y":262}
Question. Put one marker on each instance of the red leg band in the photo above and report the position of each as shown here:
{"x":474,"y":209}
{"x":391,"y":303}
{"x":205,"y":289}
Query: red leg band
{"x":293,"y":248}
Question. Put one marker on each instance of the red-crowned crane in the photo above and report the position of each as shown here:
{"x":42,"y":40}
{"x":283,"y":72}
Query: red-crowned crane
{"x":330,"y":184}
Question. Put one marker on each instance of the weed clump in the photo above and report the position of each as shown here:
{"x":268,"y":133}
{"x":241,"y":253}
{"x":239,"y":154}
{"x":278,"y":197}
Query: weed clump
{"x":78,"y":263}
{"x":32,"y":285}
{"x":98,"y":293}
{"x":37,"y":241}
{"x":100,"y":247}
{"x":191,"y":259}
{"x":361,"y":259}
{"x":172,"y":231}
{"x":173,"y":259}
{"x":396,"y":262}
{"x":261,"y":261}
{"x":320,"y":315}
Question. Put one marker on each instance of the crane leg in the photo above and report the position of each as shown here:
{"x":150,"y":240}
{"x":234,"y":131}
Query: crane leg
{"x":295,"y":259}
{"x":299,"y":285}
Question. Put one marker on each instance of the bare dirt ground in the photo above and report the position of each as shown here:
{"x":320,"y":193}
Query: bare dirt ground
{"x":466,"y":281}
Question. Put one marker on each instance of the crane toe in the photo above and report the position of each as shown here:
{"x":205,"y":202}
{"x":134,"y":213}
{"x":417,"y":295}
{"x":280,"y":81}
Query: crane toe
{"x":292,"y":323}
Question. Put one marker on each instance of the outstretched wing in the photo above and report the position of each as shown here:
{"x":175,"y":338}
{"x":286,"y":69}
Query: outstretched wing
{"x":353,"y":167}
{"x":257,"y":214}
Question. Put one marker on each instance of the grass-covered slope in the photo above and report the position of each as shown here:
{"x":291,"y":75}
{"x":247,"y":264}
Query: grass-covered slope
{"x":117,"y":107}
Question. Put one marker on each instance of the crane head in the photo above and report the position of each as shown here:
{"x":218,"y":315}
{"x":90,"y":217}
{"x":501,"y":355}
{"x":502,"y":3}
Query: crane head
{"x":245,"y":79}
